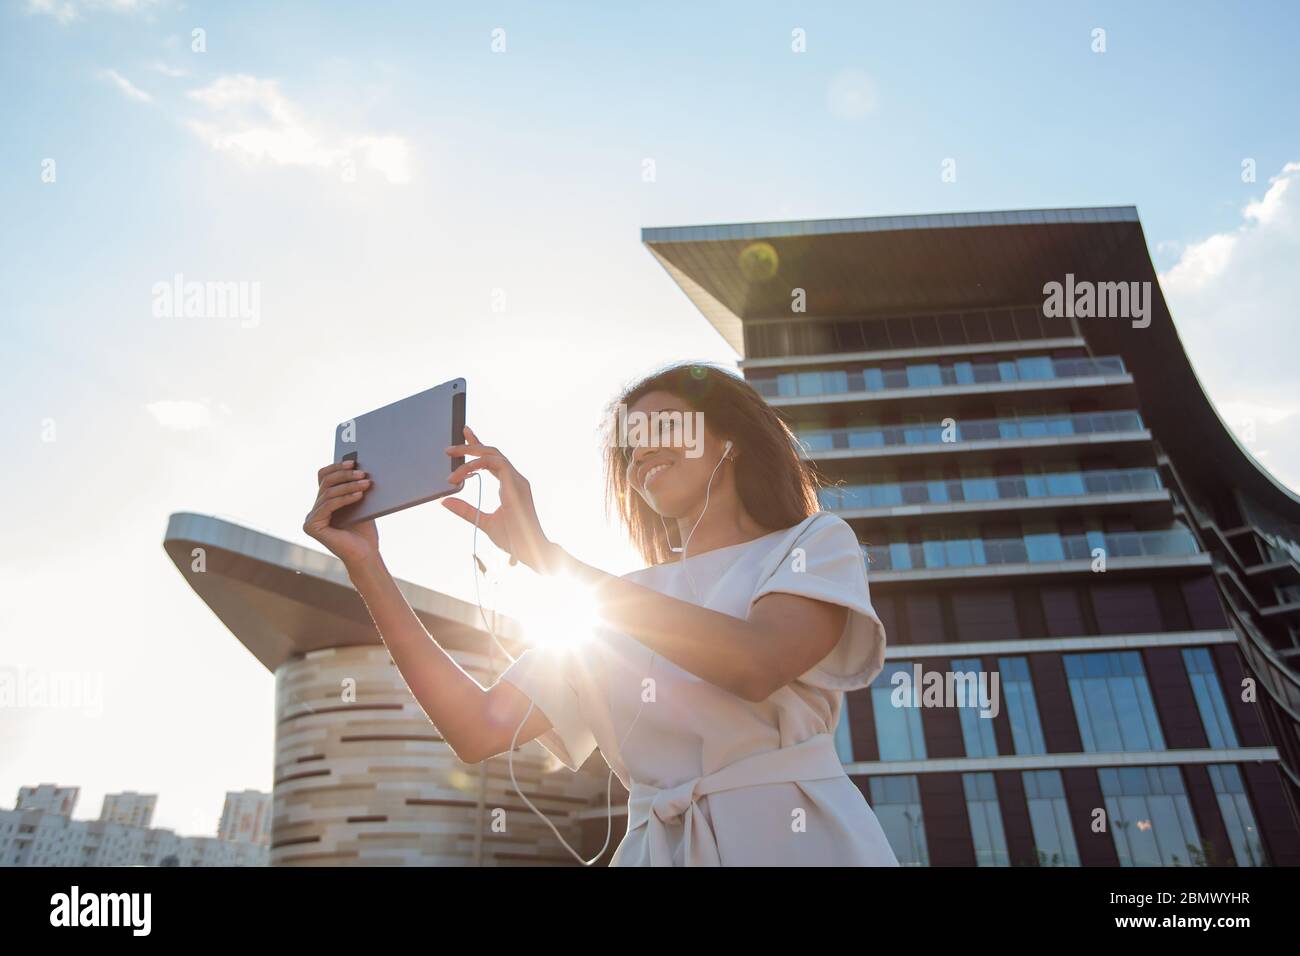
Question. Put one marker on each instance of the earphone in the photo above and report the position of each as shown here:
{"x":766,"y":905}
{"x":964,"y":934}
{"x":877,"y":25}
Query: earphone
{"x":510,"y":757}
{"x":726,"y":453}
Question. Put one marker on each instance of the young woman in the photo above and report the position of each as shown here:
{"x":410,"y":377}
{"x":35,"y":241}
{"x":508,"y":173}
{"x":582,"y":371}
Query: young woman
{"x":728,"y":664}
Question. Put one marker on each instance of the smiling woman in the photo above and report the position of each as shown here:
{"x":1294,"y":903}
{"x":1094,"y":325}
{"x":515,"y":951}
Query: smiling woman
{"x":715,"y":682}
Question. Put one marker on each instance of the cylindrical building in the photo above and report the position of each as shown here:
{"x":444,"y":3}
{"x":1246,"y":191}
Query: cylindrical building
{"x":362,"y":777}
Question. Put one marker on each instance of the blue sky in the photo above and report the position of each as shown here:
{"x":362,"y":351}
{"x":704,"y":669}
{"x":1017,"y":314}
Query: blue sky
{"x":384,"y":177}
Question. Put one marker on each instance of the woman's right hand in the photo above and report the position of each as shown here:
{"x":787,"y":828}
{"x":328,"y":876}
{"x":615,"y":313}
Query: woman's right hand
{"x":342,"y":484}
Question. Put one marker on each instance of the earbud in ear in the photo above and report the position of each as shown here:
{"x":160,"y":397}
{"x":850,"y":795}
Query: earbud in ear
{"x":726,"y":449}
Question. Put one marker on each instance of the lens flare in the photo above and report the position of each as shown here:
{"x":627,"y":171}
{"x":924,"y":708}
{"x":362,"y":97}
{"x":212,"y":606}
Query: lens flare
{"x":555,"y":612}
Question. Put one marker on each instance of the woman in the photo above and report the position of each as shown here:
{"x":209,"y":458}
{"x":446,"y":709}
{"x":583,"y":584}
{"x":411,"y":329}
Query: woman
{"x":728,"y":664}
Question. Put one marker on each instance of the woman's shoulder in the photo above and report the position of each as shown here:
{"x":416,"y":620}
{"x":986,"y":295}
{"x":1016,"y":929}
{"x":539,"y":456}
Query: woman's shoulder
{"x":820,"y":524}
{"x":640,"y":574}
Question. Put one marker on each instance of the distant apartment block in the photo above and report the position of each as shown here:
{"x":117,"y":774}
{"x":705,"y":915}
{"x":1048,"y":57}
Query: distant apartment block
{"x":49,"y":798}
{"x":246,"y":818}
{"x":50,"y":837}
{"x":133,"y":809}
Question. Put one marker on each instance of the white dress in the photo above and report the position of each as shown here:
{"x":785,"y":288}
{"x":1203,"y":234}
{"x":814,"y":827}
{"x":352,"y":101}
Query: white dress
{"x":715,"y":779}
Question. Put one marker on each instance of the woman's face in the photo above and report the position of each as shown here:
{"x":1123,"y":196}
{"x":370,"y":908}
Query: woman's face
{"x":670,"y":457}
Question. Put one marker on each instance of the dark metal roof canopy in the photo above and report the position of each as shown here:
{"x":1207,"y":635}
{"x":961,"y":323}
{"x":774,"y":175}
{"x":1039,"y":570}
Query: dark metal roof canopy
{"x":282,"y":600}
{"x":899,"y":265}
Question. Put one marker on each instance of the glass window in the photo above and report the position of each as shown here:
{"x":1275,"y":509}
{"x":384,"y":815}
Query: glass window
{"x":1065,"y":483}
{"x":843,"y":737}
{"x":1049,"y":818}
{"x":817,"y":441}
{"x":1043,"y":545}
{"x":973,"y":695}
{"x":866,"y":438}
{"x":923,"y":376}
{"x":978,"y":484}
{"x":985,"y":820}
{"x":835,"y":381}
{"x":898,"y":725}
{"x":1209,"y":697}
{"x":894,"y":377}
{"x":900,"y":556}
{"x":1113,"y":702}
{"x":1022,"y":706}
{"x":1150,"y":816}
{"x":1243,"y":833}
{"x":1060,"y":425}
{"x":1034,"y":368}
{"x":884,"y":495}
{"x":896,"y":801}
{"x":961,"y":552}
{"x":1012,"y":486}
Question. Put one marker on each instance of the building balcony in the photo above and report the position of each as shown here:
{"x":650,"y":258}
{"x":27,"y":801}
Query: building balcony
{"x":1032,"y":554}
{"x":1050,"y":434}
{"x":934,"y":379}
{"x":829,"y":360}
{"x":1134,"y":489}
{"x":1061,"y":761}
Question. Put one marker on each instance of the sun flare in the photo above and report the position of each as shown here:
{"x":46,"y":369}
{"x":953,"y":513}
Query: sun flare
{"x":556,"y":612}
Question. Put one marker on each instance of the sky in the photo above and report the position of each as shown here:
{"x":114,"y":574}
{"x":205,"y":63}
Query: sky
{"x":409,"y":193}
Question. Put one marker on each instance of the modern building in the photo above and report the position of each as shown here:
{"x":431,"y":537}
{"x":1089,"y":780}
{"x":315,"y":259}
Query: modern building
{"x":133,"y":809}
{"x":1044,"y":495}
{"x":246,"y":818}
{"x":361,"y":776}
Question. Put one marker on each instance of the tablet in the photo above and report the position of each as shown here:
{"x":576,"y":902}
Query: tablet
{"x":400,"y":448}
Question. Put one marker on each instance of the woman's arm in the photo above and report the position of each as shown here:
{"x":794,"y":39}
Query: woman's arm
{"x":784,"y":637}
{"x":476,"y":723}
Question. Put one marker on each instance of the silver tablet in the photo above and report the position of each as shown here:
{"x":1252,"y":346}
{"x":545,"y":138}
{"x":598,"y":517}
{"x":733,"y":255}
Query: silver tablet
{"x":400,"y":448}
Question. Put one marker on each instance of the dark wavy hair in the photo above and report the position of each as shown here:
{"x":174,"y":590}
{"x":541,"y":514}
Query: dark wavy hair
{"x":777,"y":486}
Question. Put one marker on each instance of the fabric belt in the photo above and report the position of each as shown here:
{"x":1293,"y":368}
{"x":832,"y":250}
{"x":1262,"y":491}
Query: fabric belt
{"x":657,"y":809}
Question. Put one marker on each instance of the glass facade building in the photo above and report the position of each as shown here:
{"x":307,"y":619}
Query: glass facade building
{"x":1046,"y":502}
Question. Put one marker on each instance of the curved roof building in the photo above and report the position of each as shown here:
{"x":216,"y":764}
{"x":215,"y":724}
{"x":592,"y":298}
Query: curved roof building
{"x":1043,"y":490}
{"x":362,"y":777}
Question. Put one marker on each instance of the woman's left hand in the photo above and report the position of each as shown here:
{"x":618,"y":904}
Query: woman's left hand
{"x":513,"y":527}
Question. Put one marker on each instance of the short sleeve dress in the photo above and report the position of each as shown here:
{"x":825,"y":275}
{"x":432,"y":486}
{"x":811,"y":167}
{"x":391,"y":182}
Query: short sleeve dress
{"x":715,"y":779}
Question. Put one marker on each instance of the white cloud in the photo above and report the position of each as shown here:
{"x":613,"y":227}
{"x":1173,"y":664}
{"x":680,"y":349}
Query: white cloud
{"x":65,"y":11}
{"x":252,"y":119}
{"x":184,"y":415}
{"x":129,"y":89}
{"x":1234,"y":297}
{"x":166,"y":70}
{"x":388,"y":155}
{"x":1200,"y":263}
